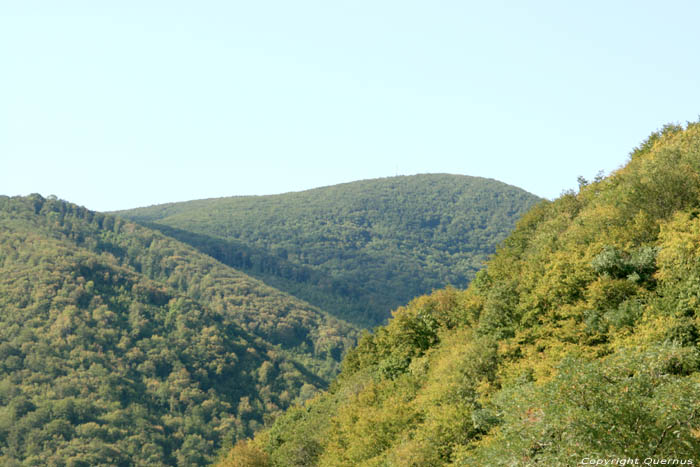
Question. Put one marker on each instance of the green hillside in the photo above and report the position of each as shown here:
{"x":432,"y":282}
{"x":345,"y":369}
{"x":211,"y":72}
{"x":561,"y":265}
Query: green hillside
{"x":120,"y":346}
{"x":356,"y":250}
{"x":580,"y":341}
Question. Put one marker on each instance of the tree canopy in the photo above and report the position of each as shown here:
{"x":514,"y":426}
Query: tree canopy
{"x":121,"y":346}
{"x":356,"y":250}
{"x":580,"y":339}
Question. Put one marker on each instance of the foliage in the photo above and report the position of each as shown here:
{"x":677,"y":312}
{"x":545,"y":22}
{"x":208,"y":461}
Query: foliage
{"x":630,"y":405}
{"x":120,"y":346}
{"x":356,"y":250}
{"x":580,"y":339}
{"x":245,"y":454}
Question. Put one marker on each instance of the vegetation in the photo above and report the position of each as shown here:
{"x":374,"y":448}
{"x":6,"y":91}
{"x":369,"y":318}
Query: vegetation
{"x":356,"y":250}
{"x":580,"y":339}
{"x":120,"y":346}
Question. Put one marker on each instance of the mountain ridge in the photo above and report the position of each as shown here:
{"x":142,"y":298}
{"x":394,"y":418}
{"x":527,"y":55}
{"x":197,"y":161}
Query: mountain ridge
{"x":121,"y":345}
{"x":578,"y":342}
{"x":320,"y":188}
{"x":347,"y":248}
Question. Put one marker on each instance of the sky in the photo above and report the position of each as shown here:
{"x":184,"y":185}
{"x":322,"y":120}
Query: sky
{"x":114,"y":105}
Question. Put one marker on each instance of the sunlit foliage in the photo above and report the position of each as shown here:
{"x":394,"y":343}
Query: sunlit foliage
{"x":581,"y":338}
{"x":120,"y":346}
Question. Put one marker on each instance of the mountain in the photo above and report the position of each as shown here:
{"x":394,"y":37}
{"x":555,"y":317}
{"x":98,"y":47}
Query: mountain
{"x":121,"y":346}
{"x":578,"y":343}
{"x":356,"y":250}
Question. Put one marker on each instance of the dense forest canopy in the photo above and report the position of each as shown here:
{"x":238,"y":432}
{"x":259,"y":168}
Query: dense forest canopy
{"x":356,"y":250}
{"x":580,"y":340}
{"x":121,"y":346}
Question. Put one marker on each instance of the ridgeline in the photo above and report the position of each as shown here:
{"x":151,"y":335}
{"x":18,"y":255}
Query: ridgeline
{"x":356,"y":250}
{"x":579,"y":340}
{"x":121,"y":346}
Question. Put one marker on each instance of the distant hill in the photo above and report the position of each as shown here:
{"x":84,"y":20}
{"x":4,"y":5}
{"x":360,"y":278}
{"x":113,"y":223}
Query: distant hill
{"x":121,"y":346}
{"x":356,"y":250}
{"x":578,"y":343}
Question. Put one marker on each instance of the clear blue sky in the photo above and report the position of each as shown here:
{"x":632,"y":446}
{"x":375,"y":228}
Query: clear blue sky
{"x":130,"y":103}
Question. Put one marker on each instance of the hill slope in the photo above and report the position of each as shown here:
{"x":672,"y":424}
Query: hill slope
{"x":358,"y":249}
{"x":579,"y":342}
{"x":121,"y":346}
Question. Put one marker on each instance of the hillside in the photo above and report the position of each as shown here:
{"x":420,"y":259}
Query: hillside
{"x":356,"y":250}
{"x":120,"y":346}
{"x":580,"y":341}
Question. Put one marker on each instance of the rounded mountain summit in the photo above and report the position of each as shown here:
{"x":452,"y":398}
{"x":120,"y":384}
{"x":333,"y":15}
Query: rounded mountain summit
{"x":357,"y":250}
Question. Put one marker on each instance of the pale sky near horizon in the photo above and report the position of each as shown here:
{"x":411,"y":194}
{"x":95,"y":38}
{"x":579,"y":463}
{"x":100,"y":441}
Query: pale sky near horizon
{"x":115,"y":105}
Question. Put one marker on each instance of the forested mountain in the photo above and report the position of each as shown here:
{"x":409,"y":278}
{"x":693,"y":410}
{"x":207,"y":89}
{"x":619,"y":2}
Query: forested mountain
{"x":356,"y":250}
{"x":121,"y":346}
{"x":579,"y":340}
